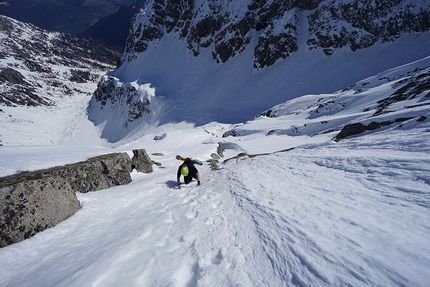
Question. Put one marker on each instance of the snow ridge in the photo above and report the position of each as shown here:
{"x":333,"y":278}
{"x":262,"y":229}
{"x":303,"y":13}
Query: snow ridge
{"x":393,"y":96}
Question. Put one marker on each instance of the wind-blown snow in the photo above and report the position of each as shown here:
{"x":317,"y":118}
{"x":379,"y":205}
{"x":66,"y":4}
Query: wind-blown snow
{"x":300,"y":210}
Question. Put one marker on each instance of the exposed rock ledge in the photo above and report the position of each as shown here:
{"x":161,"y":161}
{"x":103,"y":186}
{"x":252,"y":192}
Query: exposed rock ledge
{"x":31,"y":202}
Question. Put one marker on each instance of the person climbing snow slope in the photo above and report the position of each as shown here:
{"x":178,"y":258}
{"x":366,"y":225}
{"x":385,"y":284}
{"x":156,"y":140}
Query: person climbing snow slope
{"x":188,"y":171}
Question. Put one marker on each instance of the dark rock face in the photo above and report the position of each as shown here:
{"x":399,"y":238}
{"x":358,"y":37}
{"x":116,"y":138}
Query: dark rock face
{"x":229,"y":27}
{"x":358,"y":25}
{"x":111,"y":93}
{"x":274,"y":46}
{"x":20,"y":92}
{"x":358,"y":128}
{"x":12,"y":76}
{"x":31,"y":202}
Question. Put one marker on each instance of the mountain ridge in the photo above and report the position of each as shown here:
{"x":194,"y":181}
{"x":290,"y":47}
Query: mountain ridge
{"x":220,"y":56}
{"x":230,"y":27}
{"x":28,"y":52}
{"x":40,"y":72}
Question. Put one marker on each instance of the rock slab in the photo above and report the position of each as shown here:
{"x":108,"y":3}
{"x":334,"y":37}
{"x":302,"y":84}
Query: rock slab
{"x":31,"y":202}
{"x":141,"y":161}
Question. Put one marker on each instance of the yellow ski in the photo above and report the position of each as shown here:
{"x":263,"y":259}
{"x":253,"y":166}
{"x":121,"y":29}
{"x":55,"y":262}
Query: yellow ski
{"x":194,"y":161}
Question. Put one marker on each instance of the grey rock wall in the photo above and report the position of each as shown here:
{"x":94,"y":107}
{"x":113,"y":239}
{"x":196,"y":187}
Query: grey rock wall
{"x":33,"y":205}
{"x":141,"y":161}
{"x":31,"y":202}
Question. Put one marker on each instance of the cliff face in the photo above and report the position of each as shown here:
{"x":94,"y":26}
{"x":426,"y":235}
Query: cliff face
{"x":361,"y":24}
{"x":227,"y":28}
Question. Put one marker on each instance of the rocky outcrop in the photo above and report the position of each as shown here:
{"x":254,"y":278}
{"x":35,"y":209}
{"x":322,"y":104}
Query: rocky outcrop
{"x":19,"y":92}
{"x":34,"y":201}
{"x":110,"y":92}
{"x":358,"y":128}
{"x":124,"y":105}
{"x":141,"y":161}
{"x":29,"y":206}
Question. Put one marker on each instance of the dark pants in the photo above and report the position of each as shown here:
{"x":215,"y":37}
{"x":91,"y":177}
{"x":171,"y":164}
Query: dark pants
{"x":189,"y":178}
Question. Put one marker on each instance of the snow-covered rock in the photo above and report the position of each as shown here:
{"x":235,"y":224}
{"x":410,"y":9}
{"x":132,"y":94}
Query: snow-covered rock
{"x":124,"y":106}
{"x":361,"y":24}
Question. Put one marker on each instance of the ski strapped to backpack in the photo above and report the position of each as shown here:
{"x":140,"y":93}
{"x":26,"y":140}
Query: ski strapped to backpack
{"x":194,"y":161}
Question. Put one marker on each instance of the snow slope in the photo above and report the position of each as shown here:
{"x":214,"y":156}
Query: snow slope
{"x":349,"y":213}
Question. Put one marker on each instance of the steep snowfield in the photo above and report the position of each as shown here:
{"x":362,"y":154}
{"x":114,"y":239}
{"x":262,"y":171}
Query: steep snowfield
{"x":348,"y":213}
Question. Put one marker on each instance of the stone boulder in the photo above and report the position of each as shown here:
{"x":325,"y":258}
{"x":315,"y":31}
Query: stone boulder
{"x":99,"y":172}
{"x":358,"y":128}
{"x":141,"y":161}
{"x":31,"y":202}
